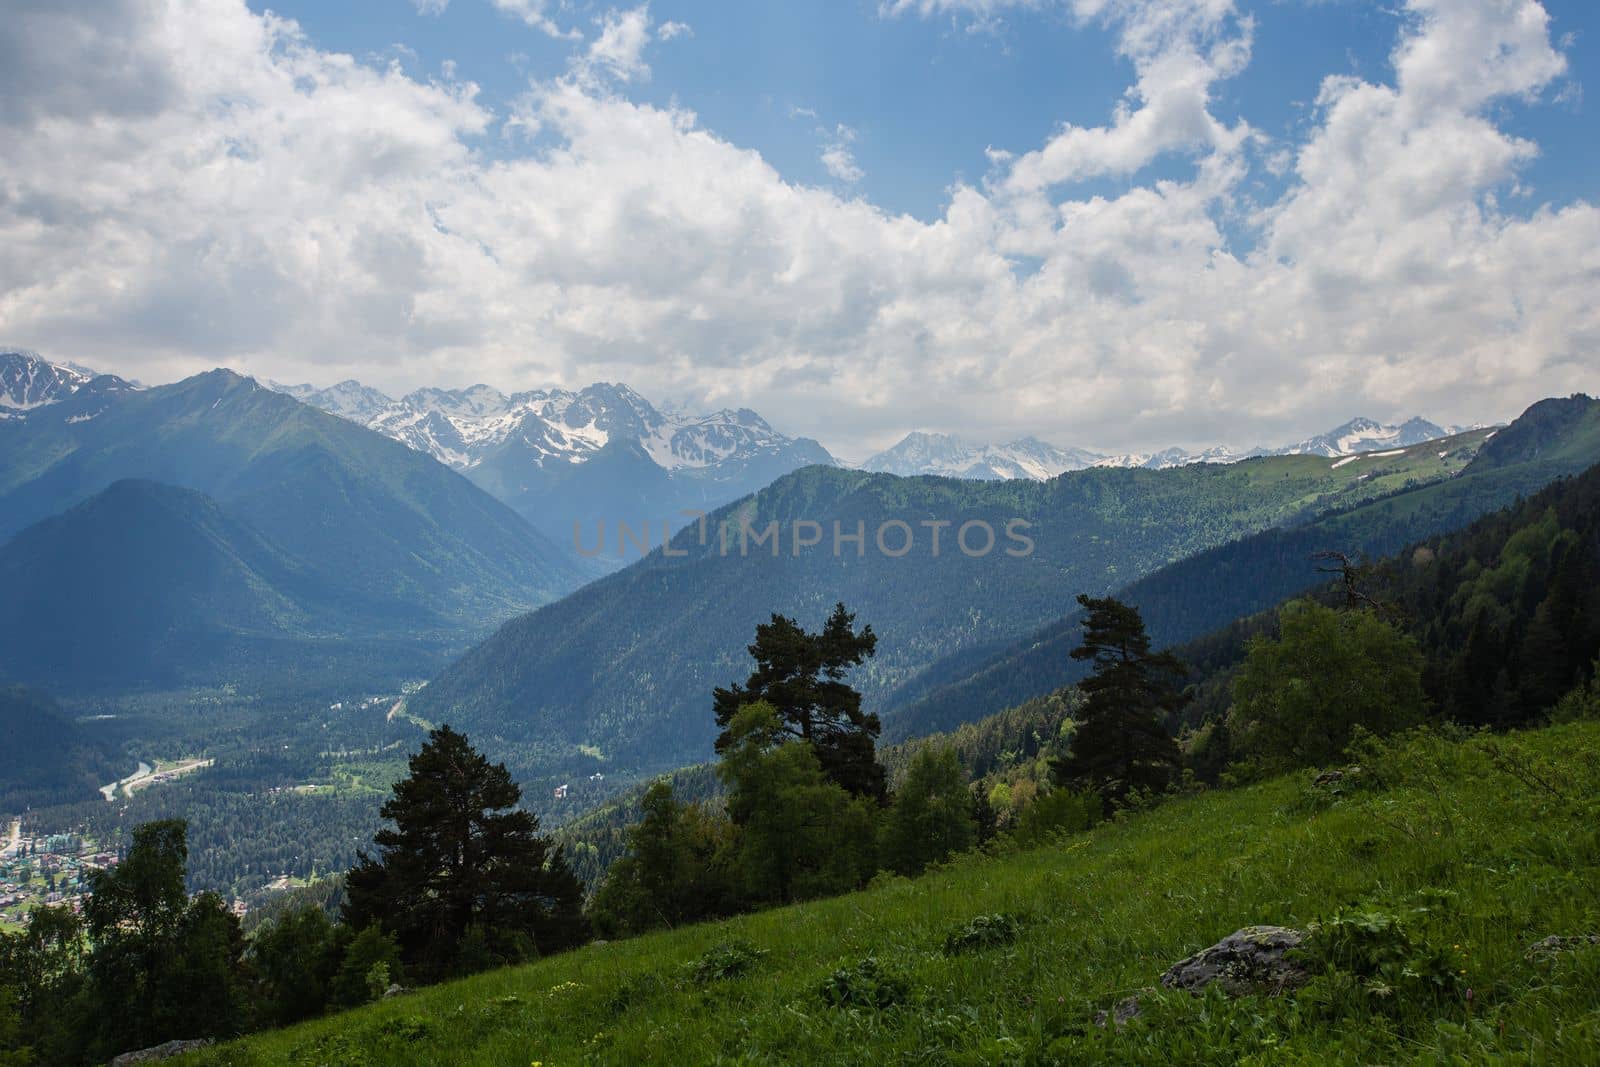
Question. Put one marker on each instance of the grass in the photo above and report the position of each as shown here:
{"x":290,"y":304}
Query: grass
{"x":1476,"y":848}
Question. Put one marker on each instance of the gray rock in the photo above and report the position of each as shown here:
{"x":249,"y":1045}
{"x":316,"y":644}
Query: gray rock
{"x":393,"y":991}
{"x":1556,"y":944}
{"x":157,"y":1053}
{"x":1124,"y":1009}
{"x":1336,"y":776}
{"x":1252,"y":960}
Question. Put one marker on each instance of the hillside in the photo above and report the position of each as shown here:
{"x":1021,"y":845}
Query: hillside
{"x":1551,"y":440}
{"x":379,"y":533}
{"x":46,"y":759}
{"x":625,"y":666}
{"x":148,"y":585}
{"x":1463,"y":858}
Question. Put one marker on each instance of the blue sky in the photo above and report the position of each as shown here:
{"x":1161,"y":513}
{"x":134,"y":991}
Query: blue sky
{"x":1116,"y":224}
{"x":926,"y":97}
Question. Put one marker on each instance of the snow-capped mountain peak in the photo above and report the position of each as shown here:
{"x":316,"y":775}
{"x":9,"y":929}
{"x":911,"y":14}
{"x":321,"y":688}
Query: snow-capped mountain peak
{"x":1367,"y":435}
{"x":920,"y":452}
{"x":944,"y":454}
{"x":464,"y":428}
{"x":28,"y":381}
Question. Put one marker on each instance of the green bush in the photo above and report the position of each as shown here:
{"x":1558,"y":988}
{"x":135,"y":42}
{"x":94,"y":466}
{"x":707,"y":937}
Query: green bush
{"x":728,"y":960}
{"x":981,"y":932}
{"x":1371,"y":961}
{"x":867,"y":984}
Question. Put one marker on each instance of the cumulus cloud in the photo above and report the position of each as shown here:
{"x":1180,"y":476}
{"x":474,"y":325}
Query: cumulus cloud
{"x":838,"y":158}
{"x":1179,"y":50}
{"x":618,"y":50}
{"x":189,"y":184}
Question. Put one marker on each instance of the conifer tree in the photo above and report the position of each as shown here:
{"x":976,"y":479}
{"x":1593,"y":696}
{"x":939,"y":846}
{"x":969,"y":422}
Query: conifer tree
{"x":463,"y":858}
{"x":801,"y":675}
{"x":1121,"y":742}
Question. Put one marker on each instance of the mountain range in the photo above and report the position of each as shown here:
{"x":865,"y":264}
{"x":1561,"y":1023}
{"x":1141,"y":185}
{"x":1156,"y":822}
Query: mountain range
{"x":600,"y":455}
{"x":951,"y":457}
{"x":283,"y":536}
{"x":624,"y":667}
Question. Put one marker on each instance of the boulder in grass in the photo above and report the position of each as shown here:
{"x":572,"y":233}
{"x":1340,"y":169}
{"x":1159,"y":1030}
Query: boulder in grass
{"x":157,"y":1053}
{"x":1554,"y":945}
{"x":1252,"y":960}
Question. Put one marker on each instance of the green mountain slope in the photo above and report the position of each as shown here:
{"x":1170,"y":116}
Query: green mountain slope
{"x":402,"y":542}
{"x":45,"y":759}
{"x":1475,"y":860}
{"x":147,"y":585}
{"x":626,"y":665}
{"x":1551,"y":440}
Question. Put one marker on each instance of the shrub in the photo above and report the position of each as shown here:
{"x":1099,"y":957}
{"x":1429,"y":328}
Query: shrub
{"x":1371,"y":961}
{"x":727,"y":960}
{"x":1061,"y":811}
{"x":981,"y":932}
{"x":866,"y":984}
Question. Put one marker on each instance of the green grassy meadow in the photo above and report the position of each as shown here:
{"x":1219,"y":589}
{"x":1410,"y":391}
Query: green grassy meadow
{"x":1477,"y":847}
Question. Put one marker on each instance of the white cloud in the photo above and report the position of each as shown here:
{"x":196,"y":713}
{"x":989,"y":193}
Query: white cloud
{"x":189,"y":184}
{"x":838,"y":158}
{"x":535,"y":14}
{"x":669,"y":30}
{"x":840,"y":162}
{"x":1179,"y":50}
{"x":618,"y":50}
{"x":430,"y":7}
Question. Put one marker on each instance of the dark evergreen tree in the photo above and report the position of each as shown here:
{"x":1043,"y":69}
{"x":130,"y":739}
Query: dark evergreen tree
{"x":984,"y":817}
{"x":801,"y":675}
{"x":1122,"y":742}
{"x":462,"y":856}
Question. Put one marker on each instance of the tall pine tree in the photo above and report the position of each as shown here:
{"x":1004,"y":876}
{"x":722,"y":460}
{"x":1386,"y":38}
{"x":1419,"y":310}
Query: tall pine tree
{"x":1121,"y":742}
{"x":463,"y":879}
{"x":801,"y":675}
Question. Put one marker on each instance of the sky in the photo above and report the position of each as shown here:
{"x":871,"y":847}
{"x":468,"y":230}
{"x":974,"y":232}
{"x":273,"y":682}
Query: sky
{"x":1120,"y":224}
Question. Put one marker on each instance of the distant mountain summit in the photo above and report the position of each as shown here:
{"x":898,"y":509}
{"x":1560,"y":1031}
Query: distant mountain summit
{"x":941,"y":454}
{"x":570,"y":461}
{"x":28,"y":381}
{"x":1365,"y":435}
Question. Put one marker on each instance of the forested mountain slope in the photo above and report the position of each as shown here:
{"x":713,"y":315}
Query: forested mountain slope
{"x":353,"y":504}
{"x":45,"y":759}
{"x":151,"y":586}
{"x":1552,"y":439}
{"x":625,"y":667}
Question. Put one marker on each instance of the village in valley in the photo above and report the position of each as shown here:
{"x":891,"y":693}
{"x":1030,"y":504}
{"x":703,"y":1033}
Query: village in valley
{"x":45,"y":870}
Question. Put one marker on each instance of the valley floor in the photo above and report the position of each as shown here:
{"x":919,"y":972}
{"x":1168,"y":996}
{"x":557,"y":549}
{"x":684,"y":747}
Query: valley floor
{"x":1479,"y":847}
